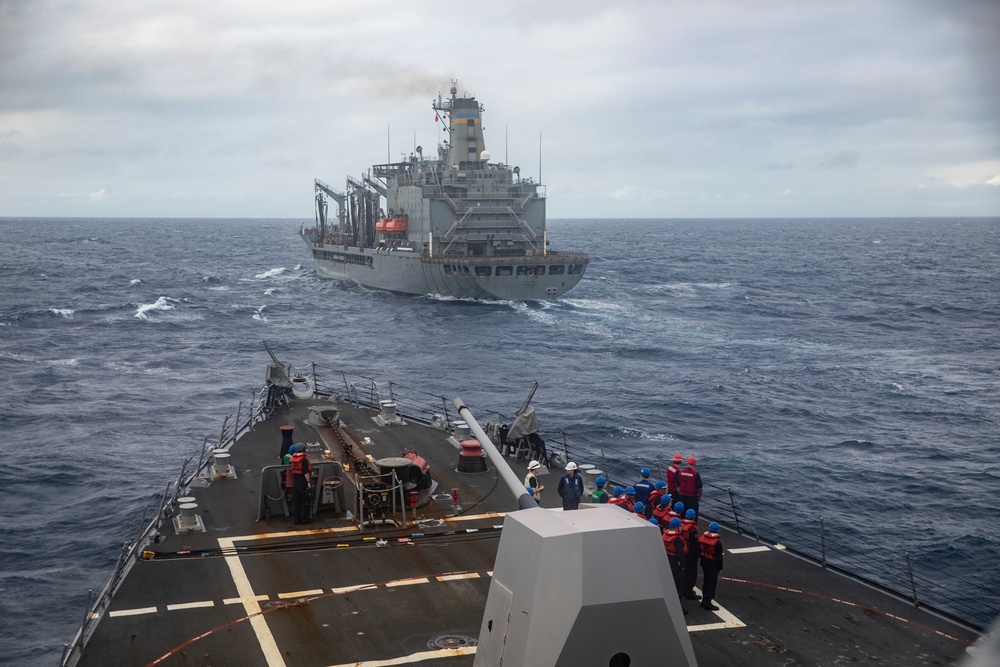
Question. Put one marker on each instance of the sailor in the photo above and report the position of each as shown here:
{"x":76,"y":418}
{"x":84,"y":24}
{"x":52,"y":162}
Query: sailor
{"x":617,"y":497}
{"x":672,"y":471}
{"x":689,"y":531}
{"x":599,"y":495}
{"x":658,"y":492}
{"x":571,"y":487}
{"x":663,"y":512}
{"x":531,"y":481}
{"x":629,"y":502}
{"x":301,"y":472}
{"x":640,"y":510}
{"x":677,"y":510}
{"x":673,"y":542}
{"x":643,"y":487}
{"x":288,"y":457}
{"x":711,"y":552}
{"x":689,"y":485}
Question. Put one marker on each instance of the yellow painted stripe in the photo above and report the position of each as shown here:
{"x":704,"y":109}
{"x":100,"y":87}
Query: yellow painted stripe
{"x":407,"y":582}
{"x":415,"y":657}
{"x":300,"y":594}
{"x":132,"y":612}
{"x":267,"y":644}
{"x":190,"y":605}
{"x":453,"y":577}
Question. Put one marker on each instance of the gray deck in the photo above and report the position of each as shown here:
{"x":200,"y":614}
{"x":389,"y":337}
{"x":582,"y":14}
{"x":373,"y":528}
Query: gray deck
{"x":325,"y":594}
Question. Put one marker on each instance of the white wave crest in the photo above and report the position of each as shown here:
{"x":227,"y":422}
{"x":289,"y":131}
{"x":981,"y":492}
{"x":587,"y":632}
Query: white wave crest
{"x":62,"y":312}
{"x":135,"y":281}
{"x":272,"y":273}
{"x":269,"y":291}
{"x":161,"y":304}
{"x":259,"y":315}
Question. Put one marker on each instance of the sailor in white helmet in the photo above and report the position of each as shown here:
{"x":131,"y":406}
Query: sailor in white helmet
{"x":571,"y":487}
{"x":531,"y":481}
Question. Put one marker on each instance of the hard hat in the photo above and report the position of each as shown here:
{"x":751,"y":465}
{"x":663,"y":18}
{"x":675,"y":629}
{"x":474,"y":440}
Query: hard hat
{"x":644,"y":472}
{"x":714,"y":527}
{"x":692,"y":460}
{"x":675,"y":523}
{"x":654,"y":522}
{"x":690,"y":514}
{"x":600,"y":481}
{"x":678,"y":507}
{"x":665,"y":500}
{"x":534,"y":465}
{"x":661,"y":484}
{"x":629,"y":490}
{"x":291,"y":449}
{"x":619,"y":490}
{"x":570,"y":466}
{"x":639,"y":507}
{"x":678,"y":458}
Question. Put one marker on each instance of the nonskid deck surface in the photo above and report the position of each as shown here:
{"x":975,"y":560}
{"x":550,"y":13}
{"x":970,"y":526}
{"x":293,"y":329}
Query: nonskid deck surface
{"x":328,"y":594}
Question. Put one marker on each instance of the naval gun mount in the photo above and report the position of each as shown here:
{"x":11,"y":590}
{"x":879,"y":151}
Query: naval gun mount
{"x":553,"y":600}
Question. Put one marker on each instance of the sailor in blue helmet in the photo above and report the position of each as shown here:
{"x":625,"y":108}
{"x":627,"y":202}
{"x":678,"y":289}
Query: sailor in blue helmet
{"x":643,"y":487}
{"x":617,"y":497}
{"x":570,"y":487}
{"x":711,"y":551}
{"x":599,"y":495}
{"x":640,"y":509}
{"x":689,"y":531}
{"x":658,"y":492}
{"x":673,"y":542}
{"x":629,"y":502}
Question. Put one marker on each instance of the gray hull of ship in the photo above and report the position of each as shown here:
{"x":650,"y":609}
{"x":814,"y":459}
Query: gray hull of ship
{"x":406,"y":273}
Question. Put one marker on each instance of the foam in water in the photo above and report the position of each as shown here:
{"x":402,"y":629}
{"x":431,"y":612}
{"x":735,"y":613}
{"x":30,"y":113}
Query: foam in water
{"x":162,"y":304}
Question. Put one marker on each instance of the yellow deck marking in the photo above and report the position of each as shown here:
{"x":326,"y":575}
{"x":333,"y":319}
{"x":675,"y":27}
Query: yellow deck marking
{"x":267,"y":644}
{"x":453,"y":577}
{"x":748,"y":550}
{"x":132,"y":612}
{"x":300,"y":594}
{"x":190,"y":605}
{"x":240,"y":600}
{"x":407,"y":582}
{"x":728,"y":620}
{"x":351,"y":589}
{"x":416,"y":657}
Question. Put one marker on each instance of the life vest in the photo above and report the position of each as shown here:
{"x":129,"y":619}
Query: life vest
{"x":662,"y":513}
{"x":689,"y":529}
{"x":707,"y":542}
{"x":671,"y":478}
{"x":599,"y":496}
{"x":654,"y":499}
{"x":627,"y":504}
{"x":619,"y":501}
{"x":298,"y":468}
{"x":670,"y":542}
{"x":687,"y":482}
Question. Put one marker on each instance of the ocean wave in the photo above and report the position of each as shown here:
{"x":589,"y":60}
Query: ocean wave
{"x":63,"y":312}
{"x":271,"y":274}
{"x":135,"y":281}
{"x":259,"y":315}
{"x":162,"y":304}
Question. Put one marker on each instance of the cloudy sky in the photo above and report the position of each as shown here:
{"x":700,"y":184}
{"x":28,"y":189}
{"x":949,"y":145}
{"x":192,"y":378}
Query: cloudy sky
{"x":677,"y":108}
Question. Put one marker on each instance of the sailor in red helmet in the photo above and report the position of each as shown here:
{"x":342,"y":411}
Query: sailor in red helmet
{"x":301,"y":470}
{"x":711,"y":563}
{"x":672,"y":471}
{"x":689,"y":485}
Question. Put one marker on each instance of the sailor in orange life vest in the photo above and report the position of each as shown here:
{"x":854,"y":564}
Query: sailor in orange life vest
{"x":672,"y":471}
{"x":301,"y":472}
{"x":711,"y":563}
{"x":689,"y":531}
{"x":689,"y":485}
{"x":673,"y":542}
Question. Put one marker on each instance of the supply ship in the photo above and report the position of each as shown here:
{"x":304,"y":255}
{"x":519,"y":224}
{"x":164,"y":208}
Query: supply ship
{"x":424,"y":548}
{"x":455,"y":225}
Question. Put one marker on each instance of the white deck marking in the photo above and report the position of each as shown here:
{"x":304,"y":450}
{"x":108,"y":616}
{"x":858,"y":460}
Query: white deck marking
{"x":780,"y":547}
{"x":250,"y":606}
{"x":728,"y":619}
{"x":351,"y":589}
{"x":407,"y":582}
{"x":190,"y":605}
{"x":132,"y":612}
{"x":300,"y":594}
{"x":240,"y":600}
{"x":453,"y":577}
{"x":416,"y":657}
{"x":748,"y":550}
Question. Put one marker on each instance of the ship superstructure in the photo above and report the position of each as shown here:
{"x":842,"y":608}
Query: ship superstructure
{"x":454,"y":225}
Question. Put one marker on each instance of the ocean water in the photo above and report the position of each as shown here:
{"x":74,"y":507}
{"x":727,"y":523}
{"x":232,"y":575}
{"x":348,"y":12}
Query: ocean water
{"x":848,"y":369}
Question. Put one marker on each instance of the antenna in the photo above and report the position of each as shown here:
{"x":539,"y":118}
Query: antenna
{"x":539,"y":157}
{"x":506,"y":156}
{"x":388,"y":153}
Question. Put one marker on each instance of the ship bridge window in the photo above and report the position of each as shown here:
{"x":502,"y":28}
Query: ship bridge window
{"x":575,"y":268}
{"x":505,"y":271}
{"x":556,"y":269}
{"x":484,"y":271}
